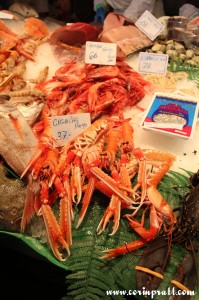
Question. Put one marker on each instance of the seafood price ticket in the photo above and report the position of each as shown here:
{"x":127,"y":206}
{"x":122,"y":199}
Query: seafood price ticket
{"x":149,"y":25}
{"x":153,"y":63}
{"x":100,"y":53}
{"x":66,"y":127}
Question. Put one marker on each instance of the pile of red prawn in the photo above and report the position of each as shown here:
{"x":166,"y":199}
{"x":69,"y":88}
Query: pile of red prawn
{"x":77,"y":87}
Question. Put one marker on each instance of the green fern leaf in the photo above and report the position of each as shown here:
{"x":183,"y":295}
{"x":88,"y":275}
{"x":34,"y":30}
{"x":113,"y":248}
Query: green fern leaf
{"x":77,"y":275}
{"x":90,"y":277}
{"x":116,"y":274}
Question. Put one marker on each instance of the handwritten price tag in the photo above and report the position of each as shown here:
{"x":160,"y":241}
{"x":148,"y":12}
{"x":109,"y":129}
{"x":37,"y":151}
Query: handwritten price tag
{"x":100,"y":53}
{"x":148,"y":24}
{"x":66,"y":127}
{"x":153,"y":63}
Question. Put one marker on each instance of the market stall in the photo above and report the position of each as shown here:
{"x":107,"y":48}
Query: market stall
{"x":113,"y":173}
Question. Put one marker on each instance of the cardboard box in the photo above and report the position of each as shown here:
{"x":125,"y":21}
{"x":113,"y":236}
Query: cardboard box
{"x":172,"y":114}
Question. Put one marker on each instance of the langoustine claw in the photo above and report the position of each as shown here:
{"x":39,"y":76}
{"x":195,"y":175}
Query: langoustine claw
{"x":153,"y":165}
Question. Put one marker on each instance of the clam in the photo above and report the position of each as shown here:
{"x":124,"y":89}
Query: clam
{"x":196,"y":59}
{"x":172,"y":53}
{"x":179,"y":47}
{"x":189,"y":53}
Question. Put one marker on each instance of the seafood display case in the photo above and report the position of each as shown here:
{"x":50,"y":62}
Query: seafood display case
{"x":114,"y":206}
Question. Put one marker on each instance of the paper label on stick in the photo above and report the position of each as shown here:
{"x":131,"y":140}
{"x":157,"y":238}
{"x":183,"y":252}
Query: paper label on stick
{"x":100,"y":53}
{"x":66,"y":127}
{"x":153,"y":63}
{"x":148,"y":24}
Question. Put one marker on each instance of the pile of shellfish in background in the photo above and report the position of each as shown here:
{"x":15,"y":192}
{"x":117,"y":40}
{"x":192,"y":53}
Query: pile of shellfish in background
{"x":175,"y":49}
{"x":15,"y":51}
{"x":179,"y":38}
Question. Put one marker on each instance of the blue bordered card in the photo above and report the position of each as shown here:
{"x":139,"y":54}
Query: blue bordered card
{"x":173,"y":114}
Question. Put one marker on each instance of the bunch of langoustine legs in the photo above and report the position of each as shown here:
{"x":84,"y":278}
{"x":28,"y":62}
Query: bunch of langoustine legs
{"x":103,"y":157}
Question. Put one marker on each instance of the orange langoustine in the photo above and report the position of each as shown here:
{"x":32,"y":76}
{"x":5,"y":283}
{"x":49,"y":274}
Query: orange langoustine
{"x":61,"y":174}
{"x":36,"y":28}
{"x":95,"y":89}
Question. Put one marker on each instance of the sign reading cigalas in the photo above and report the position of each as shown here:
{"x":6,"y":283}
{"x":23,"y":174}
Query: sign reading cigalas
{"x":66,"y":127}
{"x":100,"y":53}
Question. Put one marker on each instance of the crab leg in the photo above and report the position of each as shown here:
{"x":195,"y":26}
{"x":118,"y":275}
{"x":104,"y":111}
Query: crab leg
{"x":110,"y":183}
{"x":146,"y":234}
{"x":54,"y":232}
{"x":111,"y":253}
{"x":87,"y":198}
{"x":114,"y":210}
{"x":65,"y":219}
{"x":66,"y":212}
{"x":90,"y":158}
{"x":115,"y":205}
{"x":162,"y":207}
{"x":76,"y":185}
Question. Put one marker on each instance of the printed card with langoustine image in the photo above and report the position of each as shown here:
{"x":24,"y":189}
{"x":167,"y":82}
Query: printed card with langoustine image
{"x":172,"y":114}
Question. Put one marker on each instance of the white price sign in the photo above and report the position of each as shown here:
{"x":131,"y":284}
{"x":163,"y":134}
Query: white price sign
{"x":148,"y":24}
{"x":100,"y":53}
{"x":66,"y":127}
{"x":153,"y":63}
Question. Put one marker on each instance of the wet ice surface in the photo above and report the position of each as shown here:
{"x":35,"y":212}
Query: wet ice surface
{"x":44,"y":56}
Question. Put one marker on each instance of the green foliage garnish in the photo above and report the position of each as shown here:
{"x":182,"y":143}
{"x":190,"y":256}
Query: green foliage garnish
{"x":87,"y":275}
{"x":178,"y":66}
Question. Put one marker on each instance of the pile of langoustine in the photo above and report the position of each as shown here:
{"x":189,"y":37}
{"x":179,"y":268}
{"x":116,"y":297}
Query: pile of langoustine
{"x":16,"y":49}
{"x":77,"y":87}
{"x":102,"y":157}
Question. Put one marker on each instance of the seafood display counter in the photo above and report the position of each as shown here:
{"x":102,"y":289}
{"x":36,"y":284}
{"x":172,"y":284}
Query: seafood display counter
{"x":111,"y":206}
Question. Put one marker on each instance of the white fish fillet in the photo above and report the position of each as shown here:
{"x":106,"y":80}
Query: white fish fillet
{"x":17,"y":146}
{"x":129,"y":39}
{"x":122,"y":31}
